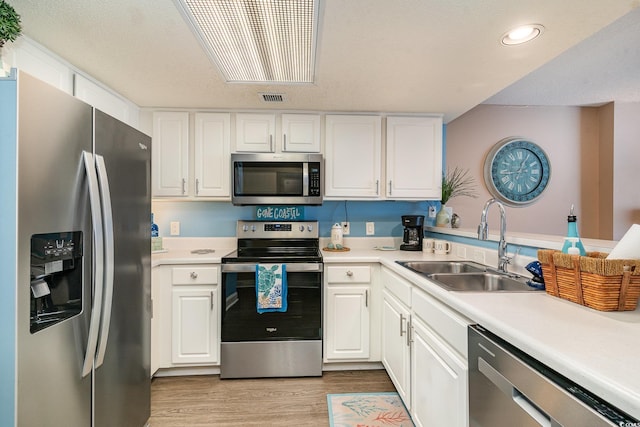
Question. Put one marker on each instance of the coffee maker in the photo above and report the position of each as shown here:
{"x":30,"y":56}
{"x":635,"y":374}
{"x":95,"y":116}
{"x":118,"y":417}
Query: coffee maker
{"x":413,"y":232}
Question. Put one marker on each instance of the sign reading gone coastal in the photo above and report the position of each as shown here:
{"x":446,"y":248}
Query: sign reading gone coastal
{"x":282,"y":213}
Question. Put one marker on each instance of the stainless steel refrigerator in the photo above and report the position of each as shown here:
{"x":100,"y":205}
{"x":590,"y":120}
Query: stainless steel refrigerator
{"x":75,"y":301}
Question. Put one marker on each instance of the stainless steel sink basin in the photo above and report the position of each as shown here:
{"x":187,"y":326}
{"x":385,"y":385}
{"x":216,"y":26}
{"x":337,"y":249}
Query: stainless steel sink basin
{"x":434,"y":267}
{"x":467,"y":276}
{"x":481,"y":282}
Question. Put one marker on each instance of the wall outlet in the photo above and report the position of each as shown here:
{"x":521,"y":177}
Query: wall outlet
{"x":175,"y":228}
{"x":461,"y":251}
{"x":432,"y":211}
{"x":478,"y":256}
{"x":371,"y":228}
{"x":346,"y":227}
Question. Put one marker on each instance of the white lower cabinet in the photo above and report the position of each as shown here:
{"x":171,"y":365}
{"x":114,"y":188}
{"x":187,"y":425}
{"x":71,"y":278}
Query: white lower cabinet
{"x":194,"y":318}
{"x":194,"y":315}
{"x":424,"y":349}
{"x":185,"y":329}
{"x":395,"y":344}
{"x":347,"y":312}
{"x":438,"y":380}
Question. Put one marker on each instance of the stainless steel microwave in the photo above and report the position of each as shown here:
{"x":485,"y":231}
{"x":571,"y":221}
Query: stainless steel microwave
{"x":277,"y":179}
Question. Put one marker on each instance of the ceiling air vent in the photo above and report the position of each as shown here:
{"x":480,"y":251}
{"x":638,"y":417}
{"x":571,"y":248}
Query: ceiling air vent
{"x":272,"y":97}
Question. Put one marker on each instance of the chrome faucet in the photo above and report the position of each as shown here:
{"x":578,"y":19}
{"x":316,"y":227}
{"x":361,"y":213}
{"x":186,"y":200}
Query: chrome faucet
{"x":483,"y":230}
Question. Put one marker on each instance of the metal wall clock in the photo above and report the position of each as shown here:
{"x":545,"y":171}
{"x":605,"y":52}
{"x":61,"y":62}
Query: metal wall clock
{"x":516,"y":171}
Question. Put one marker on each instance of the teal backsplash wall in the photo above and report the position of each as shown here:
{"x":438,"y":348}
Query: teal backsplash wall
{"x":218,"y":219}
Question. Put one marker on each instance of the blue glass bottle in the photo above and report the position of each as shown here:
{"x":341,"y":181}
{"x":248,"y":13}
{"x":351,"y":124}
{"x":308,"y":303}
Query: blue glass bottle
{"x":154,"y":228}
{"x":572,"y":231}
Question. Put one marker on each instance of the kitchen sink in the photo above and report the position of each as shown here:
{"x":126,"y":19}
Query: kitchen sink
{"x":482,"y":282}
{"x":434,"y":267}
{"x":467,"y":276}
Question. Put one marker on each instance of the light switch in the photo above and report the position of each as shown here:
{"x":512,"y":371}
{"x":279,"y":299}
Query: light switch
{"x":371,"y":228}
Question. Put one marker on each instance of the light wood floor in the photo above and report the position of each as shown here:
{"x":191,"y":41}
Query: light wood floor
{"x":209,"y":401}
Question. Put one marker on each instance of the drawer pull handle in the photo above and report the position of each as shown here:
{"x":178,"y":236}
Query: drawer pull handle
{"x":349,"y":273}
{"x":194,"y":275}
{"x":401,"y":320}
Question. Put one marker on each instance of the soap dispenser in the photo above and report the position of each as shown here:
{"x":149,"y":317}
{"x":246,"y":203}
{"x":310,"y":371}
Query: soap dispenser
{"x":573,"y":239}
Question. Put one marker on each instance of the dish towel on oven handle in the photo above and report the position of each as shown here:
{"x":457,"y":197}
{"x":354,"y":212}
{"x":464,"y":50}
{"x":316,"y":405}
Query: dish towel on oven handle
{"x":271,"y":288}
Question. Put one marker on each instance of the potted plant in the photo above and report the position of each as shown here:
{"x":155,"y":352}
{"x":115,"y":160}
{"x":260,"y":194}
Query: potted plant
{"x":455,"y":183}
{"x":10,"y":27}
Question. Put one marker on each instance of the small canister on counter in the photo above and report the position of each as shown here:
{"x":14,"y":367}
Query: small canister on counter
{"x":336,"y":235}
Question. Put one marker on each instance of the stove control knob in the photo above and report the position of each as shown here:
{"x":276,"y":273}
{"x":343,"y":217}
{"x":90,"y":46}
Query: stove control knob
{"x":301,"y":228}
{"x":245,"y":228}
{"x":253,"y":228}
{"x":310,"y":227}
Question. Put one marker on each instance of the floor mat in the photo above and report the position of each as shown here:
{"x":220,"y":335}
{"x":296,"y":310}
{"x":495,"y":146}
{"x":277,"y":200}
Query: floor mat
{"x":367,"y":410}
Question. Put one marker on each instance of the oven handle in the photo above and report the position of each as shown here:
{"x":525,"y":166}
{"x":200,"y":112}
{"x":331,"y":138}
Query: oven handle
{"x":296,"y":267}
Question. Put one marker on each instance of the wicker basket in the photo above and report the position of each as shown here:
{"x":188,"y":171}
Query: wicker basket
{"x":591,"y":280}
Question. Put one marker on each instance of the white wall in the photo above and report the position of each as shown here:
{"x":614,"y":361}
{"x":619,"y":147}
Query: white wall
{"x":594,"y":154}
{"x":557,"y":130}
{"x":626,"y":166}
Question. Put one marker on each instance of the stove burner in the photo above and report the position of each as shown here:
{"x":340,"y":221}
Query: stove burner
{"x":260,"y":241}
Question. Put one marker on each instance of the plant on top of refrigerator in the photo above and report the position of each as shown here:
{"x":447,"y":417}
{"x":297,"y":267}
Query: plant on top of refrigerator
{"x":10,"y":28}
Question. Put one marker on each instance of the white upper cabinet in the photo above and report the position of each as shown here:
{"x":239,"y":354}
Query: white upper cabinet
{"x":170,"y":153}
{"x":352,"y":153}
{"x":255,"y":133}
{"x":209,"y":153}
{"x":263,"y":133}
{"x":301,"y":133}
{"x":414,"y":158}
{"x":212,"y":154}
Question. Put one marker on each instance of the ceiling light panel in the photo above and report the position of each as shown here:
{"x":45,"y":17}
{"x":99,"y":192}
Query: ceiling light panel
{"x":269,"y":41}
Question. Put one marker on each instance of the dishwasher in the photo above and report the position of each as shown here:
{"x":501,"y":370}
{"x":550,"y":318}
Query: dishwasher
{"x":507,"y":387}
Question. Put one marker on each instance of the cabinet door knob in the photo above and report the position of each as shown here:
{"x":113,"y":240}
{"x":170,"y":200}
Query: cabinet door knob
{"x":194,"y":275}
{"x":349,"y":273}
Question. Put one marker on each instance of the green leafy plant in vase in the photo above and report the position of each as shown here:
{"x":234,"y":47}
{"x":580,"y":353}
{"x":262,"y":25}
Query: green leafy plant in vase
{"x":455,"y":183}
{"x":10,"y":28}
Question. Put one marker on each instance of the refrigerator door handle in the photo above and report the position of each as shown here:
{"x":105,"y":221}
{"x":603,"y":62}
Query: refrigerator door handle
{"x":98,"y":253}
{"x":107,"y":217}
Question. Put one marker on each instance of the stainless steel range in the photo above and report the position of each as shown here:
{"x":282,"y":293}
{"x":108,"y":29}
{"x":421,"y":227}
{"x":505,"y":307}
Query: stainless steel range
{"x":272,"y":344}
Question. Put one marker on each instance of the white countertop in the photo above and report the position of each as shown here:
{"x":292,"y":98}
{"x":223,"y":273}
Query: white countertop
{"x":598,"y":350}
{"x":180,"y":250}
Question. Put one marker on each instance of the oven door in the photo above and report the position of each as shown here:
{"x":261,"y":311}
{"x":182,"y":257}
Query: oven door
{"x":241,"y":321}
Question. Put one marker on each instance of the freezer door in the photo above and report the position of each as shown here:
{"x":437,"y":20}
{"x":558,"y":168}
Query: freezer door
{"x":123,"y":362}
{"x":53,"y":131}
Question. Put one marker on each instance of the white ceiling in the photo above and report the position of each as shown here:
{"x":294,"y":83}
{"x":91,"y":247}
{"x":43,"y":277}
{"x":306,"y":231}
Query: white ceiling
{"x":601,"y":69}
{"x":412,"y":56}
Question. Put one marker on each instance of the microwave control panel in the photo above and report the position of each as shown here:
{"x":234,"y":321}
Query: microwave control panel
{"x":314,"y":179}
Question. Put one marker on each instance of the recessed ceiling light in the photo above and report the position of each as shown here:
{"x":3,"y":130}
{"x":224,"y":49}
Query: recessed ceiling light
{"x":522,"y":34}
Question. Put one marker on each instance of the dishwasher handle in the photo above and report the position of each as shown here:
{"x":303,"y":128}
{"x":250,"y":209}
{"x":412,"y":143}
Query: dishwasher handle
{"x":511,"y":391}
